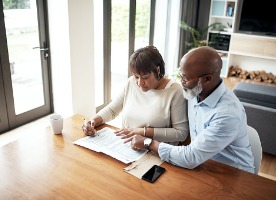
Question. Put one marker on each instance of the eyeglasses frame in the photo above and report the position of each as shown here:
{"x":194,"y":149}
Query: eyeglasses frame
{"x":182,"y":78}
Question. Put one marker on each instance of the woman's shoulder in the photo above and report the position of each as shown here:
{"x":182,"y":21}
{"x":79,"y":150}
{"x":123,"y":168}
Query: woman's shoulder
{"x":130,"y":81}
{"x":130,"y":84}
{"x":175,"y":89}
{"x":175,"y":85}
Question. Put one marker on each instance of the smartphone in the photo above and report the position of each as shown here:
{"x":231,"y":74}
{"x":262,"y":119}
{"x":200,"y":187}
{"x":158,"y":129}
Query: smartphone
{"x":153,"y":173}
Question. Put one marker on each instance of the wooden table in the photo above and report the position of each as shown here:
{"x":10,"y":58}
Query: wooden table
{"x":47,"y":166}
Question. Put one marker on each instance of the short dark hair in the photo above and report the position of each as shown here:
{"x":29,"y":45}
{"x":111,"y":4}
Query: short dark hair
{"x":146,"y":60}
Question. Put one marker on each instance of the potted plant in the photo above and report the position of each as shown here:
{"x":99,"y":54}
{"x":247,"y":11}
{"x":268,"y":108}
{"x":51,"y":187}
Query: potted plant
{"x":197,"y":35}
{"x":197,"y":39}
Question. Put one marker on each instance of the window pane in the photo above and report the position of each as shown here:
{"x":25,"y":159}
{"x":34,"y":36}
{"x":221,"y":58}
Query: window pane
{"x":119,"y":45}
{"x":142,"y":23}
{"x":24,"y":54}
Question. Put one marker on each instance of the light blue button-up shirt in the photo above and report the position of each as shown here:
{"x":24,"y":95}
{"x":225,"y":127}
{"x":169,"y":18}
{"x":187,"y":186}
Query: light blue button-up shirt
{"x":218,"y":130}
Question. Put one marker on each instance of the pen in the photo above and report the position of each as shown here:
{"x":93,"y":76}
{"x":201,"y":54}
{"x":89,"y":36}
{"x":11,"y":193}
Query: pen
{"x":93,"y":124}
{"x":85,"y":122}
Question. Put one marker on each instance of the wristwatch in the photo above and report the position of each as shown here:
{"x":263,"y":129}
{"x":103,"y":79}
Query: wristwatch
{"x":147,"y":142}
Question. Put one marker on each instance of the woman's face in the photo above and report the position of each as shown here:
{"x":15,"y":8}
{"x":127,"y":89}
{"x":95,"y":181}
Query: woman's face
{"x":146,"y":81}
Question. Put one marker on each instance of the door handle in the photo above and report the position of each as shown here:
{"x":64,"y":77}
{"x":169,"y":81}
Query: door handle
{"x":41,"y":49}
{"x":45,"y":49}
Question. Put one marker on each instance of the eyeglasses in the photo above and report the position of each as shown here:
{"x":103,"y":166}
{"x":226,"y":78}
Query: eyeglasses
{"x":184,"y":79}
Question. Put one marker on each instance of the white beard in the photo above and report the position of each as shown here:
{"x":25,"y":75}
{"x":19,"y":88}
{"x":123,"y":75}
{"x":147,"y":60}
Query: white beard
{"x":191,"y":93}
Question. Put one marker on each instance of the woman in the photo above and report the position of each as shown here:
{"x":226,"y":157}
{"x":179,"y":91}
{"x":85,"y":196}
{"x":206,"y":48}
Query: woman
{"x":151,"y":104}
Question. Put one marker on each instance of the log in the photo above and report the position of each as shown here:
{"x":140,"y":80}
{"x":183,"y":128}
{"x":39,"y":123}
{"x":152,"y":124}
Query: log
{"x":257,"y":75}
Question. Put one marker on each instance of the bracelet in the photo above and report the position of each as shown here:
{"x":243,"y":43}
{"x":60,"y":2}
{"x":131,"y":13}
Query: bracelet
{"x":145,"y":130}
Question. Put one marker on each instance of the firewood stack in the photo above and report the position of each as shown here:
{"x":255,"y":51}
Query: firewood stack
{"x":258,"y":75}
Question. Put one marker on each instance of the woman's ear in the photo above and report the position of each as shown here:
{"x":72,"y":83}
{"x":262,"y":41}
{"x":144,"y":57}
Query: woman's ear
{"x":158,"y":70}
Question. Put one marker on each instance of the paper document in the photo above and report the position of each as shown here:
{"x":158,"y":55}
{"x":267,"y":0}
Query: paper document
{"x":107,"y":142}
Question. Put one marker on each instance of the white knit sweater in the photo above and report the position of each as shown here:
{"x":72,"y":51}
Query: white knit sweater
{"x":165,"y":110}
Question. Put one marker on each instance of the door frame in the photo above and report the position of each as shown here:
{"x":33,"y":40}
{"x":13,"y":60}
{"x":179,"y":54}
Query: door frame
{"x":8,"y":117}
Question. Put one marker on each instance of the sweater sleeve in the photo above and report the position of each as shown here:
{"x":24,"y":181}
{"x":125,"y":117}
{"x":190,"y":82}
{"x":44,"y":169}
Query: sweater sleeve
{"x":179,"y":120}
{"x":113,"y":109}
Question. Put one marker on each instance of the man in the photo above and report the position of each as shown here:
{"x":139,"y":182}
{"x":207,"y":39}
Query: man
{"x":217,"y":119}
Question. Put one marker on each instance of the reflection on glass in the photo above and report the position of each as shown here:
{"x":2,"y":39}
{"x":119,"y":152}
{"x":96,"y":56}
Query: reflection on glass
{"x":142,"y":22}
{"x":119,"y":45}
{"x":98,"y":53}
{"x":22,"y":36}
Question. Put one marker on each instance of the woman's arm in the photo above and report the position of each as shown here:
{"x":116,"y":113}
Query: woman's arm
{"x":178,"y":119}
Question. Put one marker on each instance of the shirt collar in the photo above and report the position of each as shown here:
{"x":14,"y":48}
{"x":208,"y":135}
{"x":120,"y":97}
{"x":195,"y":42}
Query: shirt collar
{"x":214,"y":97}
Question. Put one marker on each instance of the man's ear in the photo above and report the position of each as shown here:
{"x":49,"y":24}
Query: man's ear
{"x":208,"y":77}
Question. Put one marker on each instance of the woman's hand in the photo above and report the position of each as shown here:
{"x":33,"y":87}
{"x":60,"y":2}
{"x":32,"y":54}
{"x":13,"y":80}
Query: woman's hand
{"x":129,"y":132}
{"x":89,"y":128}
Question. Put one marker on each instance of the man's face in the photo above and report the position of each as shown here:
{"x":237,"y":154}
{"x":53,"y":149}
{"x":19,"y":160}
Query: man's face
{"x":191,"y":93}
{"x":191,"y":83}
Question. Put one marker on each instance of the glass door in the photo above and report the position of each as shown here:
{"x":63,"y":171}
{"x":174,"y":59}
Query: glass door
{"x":24,"y":62}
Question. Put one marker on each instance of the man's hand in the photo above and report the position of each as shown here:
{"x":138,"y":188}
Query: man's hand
{"x":137,"y":142}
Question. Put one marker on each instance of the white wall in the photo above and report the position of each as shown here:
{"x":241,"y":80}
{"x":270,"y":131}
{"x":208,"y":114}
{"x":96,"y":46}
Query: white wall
{"x":71,"y":46}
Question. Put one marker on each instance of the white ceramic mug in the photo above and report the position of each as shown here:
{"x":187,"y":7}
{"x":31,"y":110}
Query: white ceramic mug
{"x":56,"y":122}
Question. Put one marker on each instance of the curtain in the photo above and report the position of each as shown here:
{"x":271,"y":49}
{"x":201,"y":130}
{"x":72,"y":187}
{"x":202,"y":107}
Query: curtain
{"x":189,"y":14}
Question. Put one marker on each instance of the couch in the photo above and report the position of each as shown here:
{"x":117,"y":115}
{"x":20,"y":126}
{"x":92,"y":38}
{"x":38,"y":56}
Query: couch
{"x":260,"y":106}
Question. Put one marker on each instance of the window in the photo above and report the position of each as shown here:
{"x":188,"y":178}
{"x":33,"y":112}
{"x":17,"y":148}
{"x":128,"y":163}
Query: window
{"x":123,"y":26}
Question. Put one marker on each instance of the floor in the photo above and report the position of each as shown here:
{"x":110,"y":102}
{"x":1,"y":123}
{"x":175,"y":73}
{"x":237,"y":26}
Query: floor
{"x":268,"y":164}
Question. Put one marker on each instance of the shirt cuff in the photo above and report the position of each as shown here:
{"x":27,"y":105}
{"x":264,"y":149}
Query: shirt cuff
{"x":164,"y":151}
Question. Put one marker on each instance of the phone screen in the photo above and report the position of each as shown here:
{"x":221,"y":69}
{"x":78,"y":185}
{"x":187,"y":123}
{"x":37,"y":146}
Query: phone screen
{"x":153,"y":173}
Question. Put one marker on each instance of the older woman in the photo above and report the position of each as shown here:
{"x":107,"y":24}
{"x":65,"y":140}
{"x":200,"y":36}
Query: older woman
{"x":151,"y":104}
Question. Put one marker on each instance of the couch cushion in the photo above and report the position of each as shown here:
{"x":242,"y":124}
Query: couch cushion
{"x":256,"y":94}
{"x":263,"y":120}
